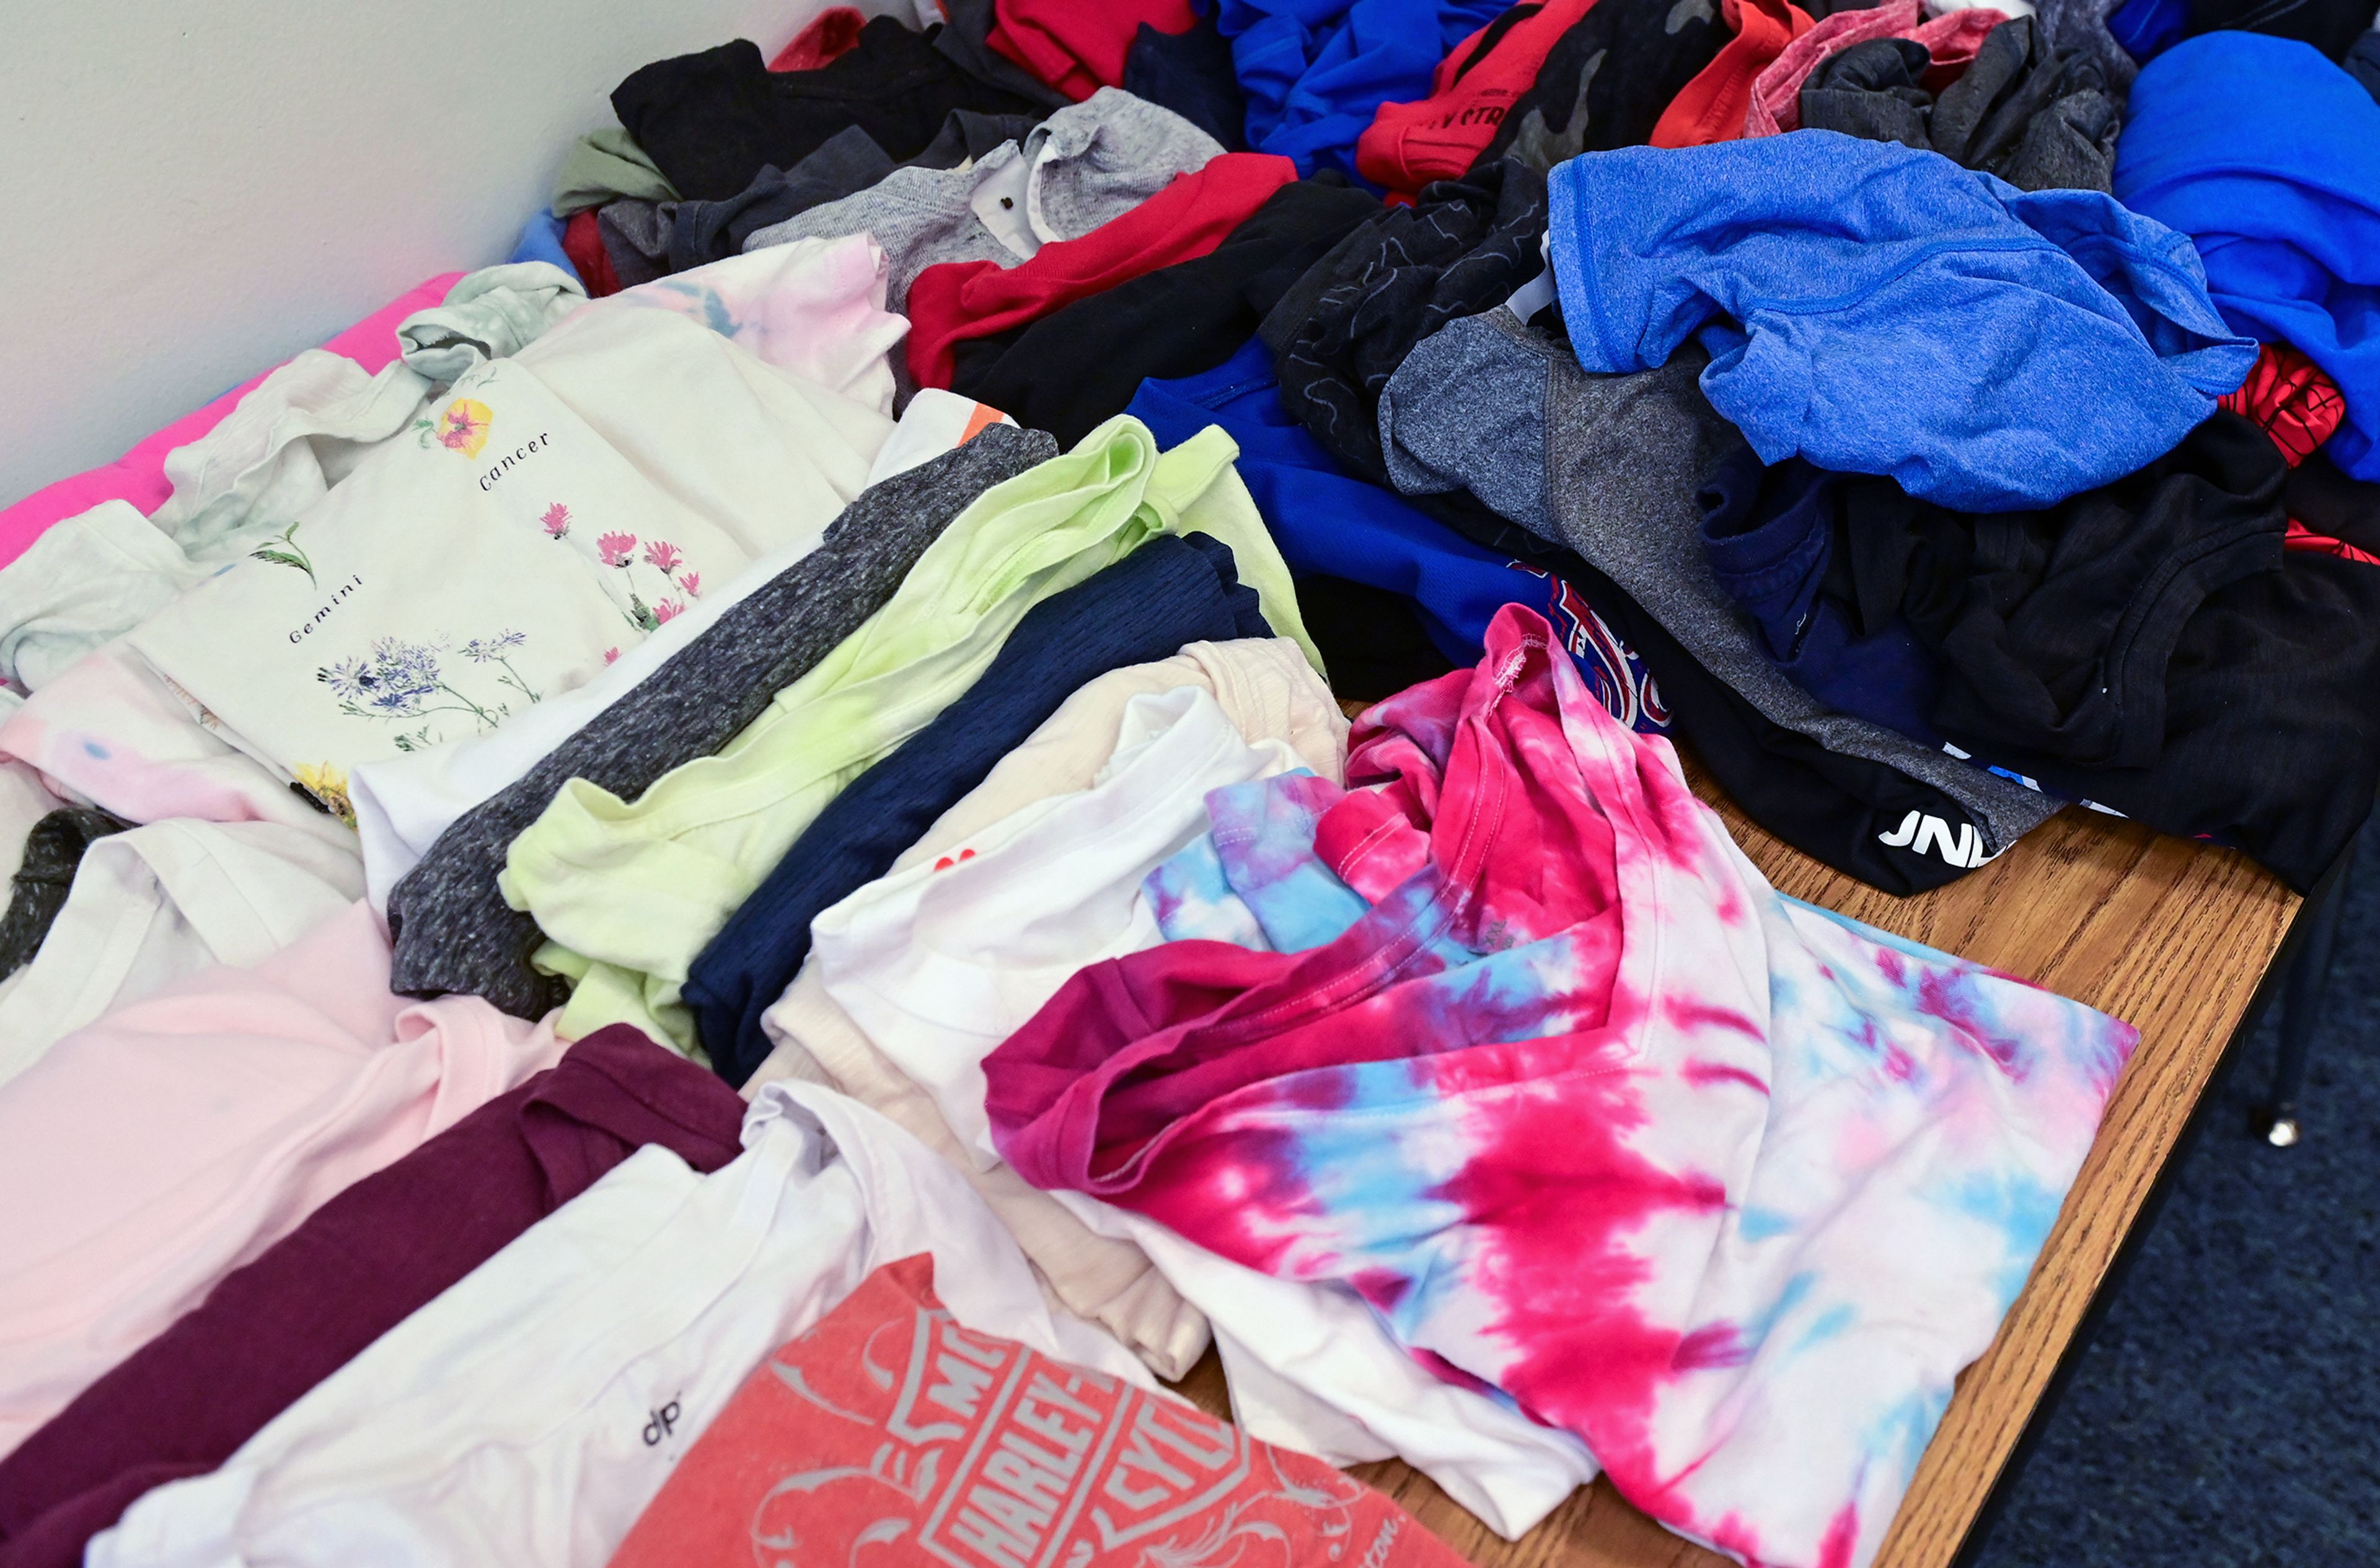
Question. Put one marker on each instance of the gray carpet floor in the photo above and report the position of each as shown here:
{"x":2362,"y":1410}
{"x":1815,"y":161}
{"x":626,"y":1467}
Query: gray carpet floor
{"x":2228,"y":1411}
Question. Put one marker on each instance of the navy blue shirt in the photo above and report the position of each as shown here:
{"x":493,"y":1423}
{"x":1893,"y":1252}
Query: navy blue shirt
{"x":1145,"y":607}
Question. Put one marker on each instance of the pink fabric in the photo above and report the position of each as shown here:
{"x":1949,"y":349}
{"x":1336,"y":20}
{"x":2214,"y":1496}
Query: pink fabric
{"x":1951,"y":39}
{"x":108,"y":729}
{"x":151,"y":1153}
{"x":139,"y":475}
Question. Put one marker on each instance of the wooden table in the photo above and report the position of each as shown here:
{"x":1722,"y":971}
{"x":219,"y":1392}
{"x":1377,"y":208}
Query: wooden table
{"x":2174,"y":937}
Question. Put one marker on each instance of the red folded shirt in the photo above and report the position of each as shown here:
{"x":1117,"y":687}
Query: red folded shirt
{"x":1079,"y":48}
{"x":1408,"y":145}
{"x":1712,"y":106}
{"x":963,"y":299}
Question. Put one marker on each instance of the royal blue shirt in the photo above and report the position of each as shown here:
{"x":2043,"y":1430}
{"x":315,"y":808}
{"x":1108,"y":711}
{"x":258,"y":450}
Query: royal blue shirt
{"x":2267,"y":156}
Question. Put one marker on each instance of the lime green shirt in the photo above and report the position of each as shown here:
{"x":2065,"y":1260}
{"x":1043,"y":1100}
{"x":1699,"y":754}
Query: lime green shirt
{"x":628,"y":894}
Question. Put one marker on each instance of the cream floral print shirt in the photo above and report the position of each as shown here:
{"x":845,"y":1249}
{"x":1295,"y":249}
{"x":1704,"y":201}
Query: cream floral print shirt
{"x":554,"y":509}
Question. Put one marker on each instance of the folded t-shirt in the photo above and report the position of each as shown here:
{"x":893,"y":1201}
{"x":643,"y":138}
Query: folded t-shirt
{"x":152,"y":1152}
{"x":1057,"y":1460}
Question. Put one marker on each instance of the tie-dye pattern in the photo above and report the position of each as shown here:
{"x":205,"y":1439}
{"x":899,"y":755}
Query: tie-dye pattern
{"x":1729,"y":1186}
{"x":1253,"y":877}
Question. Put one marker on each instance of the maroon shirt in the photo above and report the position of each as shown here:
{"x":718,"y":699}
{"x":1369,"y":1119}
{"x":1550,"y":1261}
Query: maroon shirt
{"x":363,"y":1262}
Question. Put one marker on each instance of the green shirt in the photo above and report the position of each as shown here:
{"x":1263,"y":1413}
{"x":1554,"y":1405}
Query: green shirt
{"x":604,"y":165}
{"x":628,"y":894}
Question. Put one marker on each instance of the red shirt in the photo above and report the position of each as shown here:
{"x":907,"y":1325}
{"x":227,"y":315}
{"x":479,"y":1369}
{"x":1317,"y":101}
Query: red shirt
{"x":1079,"y":48}
{"x":1713,"y":105}
{"x":583,"y":243}
{"x":963,"y":299}
{"x":1408,"y":145}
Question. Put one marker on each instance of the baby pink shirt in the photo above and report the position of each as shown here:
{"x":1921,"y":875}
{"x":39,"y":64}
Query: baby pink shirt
{"x":154,"y":1151}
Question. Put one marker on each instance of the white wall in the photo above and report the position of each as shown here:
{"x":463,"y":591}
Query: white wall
{"x":196,"y":191}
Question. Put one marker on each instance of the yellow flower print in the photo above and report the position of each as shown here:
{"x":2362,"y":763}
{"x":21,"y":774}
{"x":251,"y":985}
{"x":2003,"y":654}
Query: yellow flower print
{"x":328,"y":785}
{"x":464,"y":426}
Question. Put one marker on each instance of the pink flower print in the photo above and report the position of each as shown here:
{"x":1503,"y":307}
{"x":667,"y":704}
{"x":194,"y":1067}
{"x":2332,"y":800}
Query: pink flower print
{"x":668,"y":608}
{"x":661,"y":556}
{"x":556,"y":520}
{"x":692,"y":583}
{"x":463,"y":427}
{"x":611,"y":655}
{"x":615,"y":548}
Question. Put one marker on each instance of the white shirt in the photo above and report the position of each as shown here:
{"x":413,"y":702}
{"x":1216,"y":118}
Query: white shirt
{"x":1269,"y":692}
{"x":939,"y":963}
{"x":164,"y":901}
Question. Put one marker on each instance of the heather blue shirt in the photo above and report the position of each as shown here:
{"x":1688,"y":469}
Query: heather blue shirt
{"x":2268,"y":157}
{"x":1168,"y":592}
{"x":1879,"y":310}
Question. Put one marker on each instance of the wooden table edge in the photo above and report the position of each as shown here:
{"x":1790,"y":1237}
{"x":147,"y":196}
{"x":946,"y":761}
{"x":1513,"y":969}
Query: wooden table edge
{"x":2110,"y":1283}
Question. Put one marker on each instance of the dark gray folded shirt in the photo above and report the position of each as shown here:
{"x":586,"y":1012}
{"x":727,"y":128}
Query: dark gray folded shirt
{"x":453,"y":929}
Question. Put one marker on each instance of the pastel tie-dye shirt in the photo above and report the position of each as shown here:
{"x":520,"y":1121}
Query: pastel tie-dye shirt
{"x":1517,"y":1045}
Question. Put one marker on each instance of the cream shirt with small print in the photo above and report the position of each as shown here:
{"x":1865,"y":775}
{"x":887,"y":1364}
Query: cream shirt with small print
{"x":550,"y":511}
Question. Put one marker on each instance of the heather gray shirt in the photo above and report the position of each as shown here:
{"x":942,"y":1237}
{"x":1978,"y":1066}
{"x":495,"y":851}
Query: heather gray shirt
{"x":1084,"y":166}
{"x":453,"y":929}
{"x":1608,"y":465}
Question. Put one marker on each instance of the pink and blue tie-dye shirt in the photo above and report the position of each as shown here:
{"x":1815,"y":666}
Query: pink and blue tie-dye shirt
{"x":1517,"y":1045}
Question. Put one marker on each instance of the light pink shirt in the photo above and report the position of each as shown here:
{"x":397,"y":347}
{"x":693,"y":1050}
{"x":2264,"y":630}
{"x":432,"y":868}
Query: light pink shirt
{"x":151,"y":1153}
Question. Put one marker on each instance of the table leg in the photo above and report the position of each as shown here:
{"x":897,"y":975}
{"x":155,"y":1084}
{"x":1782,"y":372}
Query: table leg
{"x":2302,"y":1005}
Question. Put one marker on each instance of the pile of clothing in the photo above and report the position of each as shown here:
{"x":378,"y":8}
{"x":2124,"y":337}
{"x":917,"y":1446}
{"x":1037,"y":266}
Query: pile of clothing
{"x":715,"y":884}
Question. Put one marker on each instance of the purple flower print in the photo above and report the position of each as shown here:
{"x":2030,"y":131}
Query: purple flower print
{"x":556,"y":520}
{"x":615,"y":548}
{"x":402,"y":680}
{"x":481,"y":650}
{"x":662,"y":556}
{"x":493,"y":649}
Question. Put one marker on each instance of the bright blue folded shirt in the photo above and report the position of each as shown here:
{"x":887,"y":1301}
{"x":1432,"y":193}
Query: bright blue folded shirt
{"x":1315,"y":71}
{"x":1879,"y":310}
{"x":541,"y":241}
{"x":2267,"y":156}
